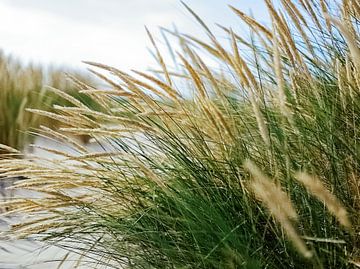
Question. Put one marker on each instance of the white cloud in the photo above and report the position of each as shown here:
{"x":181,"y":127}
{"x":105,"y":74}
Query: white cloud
{"x":108,"y":31}
{"x":37,"y":34}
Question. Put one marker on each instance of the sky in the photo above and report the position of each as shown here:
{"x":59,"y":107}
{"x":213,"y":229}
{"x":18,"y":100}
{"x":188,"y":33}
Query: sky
{"x":67,"y":32}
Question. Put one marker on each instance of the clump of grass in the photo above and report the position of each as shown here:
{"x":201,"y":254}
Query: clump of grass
{"x":172,"y":191}
{"x":27,"y":86}
{"x":20,"y":87}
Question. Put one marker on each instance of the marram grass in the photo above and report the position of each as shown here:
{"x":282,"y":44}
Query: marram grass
{"x":23,"y":86}
{"x":258,"y":169}
{"x":19,"y":87}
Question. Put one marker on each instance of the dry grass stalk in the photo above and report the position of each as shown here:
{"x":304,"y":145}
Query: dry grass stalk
{"x":115,"y":85}
{"x":204,"y":45}
{"x":308,"y":6}
{"x":95,"y":155}
{"x":222,"y":119}
{"x":208,"y":112}
{"x":237,"y":37}
{"x":108,"y":92}
{"x":355,"y":263}
{"x":285,"y":36}
{"x":352,"y":43}
{"x":341,"y":83}
{"x":284,"y":28}
{"x":132,"y":87}
{"x":149,"y":173}
{"x":297,"y":19}
{"x":208,"y":74}
{"x":54,"y":116}
{"x":8,"y":149}
{"x":315,"y":187}
{"x":196,"y":78}
{"x":279,"y":76}
{"x":62,"y":137}
{"x":324,"y":240}
{"x":144,"y":85}
{"x":356,"y":6}
{"x":246,"y":69}
{"x":52,"y":150}
{"x":167,"y":88}
{"x":252,"y":23}
{"x":111,"y":132}
{"x":349,"y":71}
{"x":289,"y":5}
{"x":237,"y":62}
{"x":66,"y":96}
{"x":280,"y":198}
{"x":279,"y":205}
{"x":264,"y":132}
{"x":160,"y":58}
{"x":76,"y":111}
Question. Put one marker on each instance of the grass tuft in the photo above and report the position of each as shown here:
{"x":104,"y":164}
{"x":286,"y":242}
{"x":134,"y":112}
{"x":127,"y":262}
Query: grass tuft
{"x":172,"y":189}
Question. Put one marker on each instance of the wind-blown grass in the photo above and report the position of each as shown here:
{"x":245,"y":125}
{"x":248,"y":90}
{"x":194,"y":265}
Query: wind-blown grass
{"x":259,"y":169}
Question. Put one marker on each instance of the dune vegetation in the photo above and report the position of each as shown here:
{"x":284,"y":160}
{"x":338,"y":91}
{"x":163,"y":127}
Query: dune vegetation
{"x":257,"y":166}
{"x":33,"y":86}
{"x":19,"y":87}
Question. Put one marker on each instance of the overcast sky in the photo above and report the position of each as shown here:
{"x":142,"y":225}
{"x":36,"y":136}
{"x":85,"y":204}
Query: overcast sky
{"x":65,"y":32}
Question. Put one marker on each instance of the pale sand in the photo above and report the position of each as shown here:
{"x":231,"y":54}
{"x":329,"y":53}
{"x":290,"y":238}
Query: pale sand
{"x":27,"y":253}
